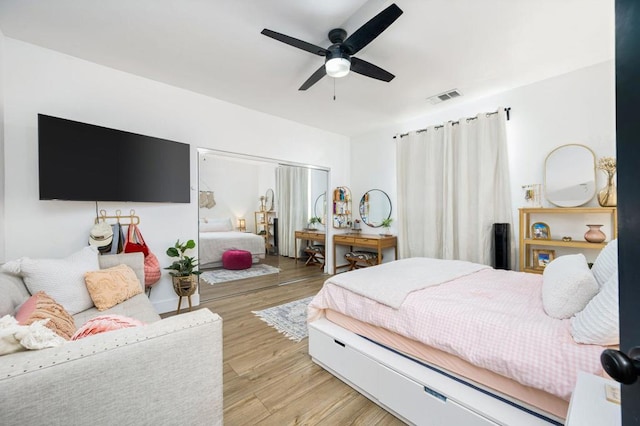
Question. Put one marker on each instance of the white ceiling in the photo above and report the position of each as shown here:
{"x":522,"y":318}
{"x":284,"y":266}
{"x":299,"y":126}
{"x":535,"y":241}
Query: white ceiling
{"x":215,"y":47}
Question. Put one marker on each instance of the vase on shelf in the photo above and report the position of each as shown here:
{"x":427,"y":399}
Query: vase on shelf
{"x":608,"y":196}
{"x":594,"y":234}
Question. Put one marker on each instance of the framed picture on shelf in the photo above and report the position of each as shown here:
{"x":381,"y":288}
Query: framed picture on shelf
{"x":540,"y":231}
{"x":541,"y":258}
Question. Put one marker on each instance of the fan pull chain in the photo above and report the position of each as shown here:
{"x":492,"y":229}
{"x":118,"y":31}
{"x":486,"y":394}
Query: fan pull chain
{"x":334,"y":89}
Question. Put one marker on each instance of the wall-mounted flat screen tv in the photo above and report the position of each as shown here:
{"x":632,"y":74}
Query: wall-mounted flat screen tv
{"x":84,"y":162}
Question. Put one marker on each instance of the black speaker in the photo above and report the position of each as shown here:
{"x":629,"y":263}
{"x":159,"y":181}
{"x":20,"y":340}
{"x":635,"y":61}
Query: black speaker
{"x":275,"y":235}
{"x":501,"y":246}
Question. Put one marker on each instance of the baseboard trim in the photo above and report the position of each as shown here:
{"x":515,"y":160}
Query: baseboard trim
{"x":171,"y":305}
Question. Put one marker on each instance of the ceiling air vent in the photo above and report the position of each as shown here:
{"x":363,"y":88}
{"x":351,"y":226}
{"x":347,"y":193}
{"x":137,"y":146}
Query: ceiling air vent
{"x":449,"y":94}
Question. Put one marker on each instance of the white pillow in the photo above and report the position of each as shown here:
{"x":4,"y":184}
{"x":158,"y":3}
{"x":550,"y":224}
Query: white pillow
{"x":599,"y":323}
{"x":567,"y":286}
{"x":216,"y":225}
{"x":62,"y":279}
{"x":606,"y":264}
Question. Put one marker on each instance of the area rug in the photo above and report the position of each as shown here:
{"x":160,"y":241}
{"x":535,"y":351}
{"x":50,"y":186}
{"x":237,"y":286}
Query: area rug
{"x":218,"y":276}
{"x":289,"y":319}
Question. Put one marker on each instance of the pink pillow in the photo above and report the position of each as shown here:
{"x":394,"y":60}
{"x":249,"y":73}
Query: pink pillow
{"x":41,"y":306}
{"x":105,"y":323}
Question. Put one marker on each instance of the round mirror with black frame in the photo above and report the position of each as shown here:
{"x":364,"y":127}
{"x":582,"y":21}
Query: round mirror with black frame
{"x":375,"y":207}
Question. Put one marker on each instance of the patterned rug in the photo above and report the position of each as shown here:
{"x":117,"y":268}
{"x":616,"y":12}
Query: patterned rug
{"x":289,"y":319}
{"x":223,"y":275}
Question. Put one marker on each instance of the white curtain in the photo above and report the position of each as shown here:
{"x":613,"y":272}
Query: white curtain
{"x":453,"y":184}
{"x":293,"y":214}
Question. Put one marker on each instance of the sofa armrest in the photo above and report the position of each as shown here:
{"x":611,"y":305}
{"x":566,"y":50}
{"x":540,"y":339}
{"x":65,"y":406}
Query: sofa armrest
{"x":167,"y":372}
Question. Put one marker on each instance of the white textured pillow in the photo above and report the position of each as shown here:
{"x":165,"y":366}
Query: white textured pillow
{"x":599,"y":323}
{"x":62,"y":279}
{"x":567,"y":286}
{"x":216,"y":225}
{"x":606,"y":264}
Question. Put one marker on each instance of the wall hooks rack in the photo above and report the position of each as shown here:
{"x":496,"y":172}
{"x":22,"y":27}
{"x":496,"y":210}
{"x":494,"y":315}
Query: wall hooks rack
{"x":131,"y":218}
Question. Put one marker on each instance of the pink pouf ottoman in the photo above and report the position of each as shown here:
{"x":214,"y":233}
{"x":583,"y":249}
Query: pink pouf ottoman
{"x":236,"y":259}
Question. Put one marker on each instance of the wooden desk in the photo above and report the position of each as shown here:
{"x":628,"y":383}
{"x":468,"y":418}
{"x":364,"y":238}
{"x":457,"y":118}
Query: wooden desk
{"x":378,"y":242}
{"x":310,"y":236}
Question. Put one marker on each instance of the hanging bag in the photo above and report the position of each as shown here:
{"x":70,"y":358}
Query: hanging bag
{"x":135,"y":244}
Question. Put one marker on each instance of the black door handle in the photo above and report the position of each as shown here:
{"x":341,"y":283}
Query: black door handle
{"x":622,"y":368}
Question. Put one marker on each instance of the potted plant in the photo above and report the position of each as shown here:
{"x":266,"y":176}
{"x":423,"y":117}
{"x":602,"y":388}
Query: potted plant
{"x":314,"y":221}
{"x":386,"y":224}
{"x":182,"y":269}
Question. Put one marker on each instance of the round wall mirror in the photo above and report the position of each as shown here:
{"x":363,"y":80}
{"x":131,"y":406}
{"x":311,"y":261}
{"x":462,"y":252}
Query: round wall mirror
{"x":320,"y":207}
{"x":570,"y":175}
{"x":268,"y":197}
{"x":375,"y":206}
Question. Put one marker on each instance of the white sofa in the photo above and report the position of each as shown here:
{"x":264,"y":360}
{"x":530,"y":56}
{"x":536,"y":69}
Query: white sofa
{"x":167,"y":372}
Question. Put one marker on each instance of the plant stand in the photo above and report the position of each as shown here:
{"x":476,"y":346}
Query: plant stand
{"x":184,"y":287}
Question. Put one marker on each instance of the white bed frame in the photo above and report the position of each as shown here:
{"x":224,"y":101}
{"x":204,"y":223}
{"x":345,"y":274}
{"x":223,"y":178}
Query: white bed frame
{"x":409,"y":390}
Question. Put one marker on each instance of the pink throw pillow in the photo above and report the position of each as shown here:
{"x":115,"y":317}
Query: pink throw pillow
{"x":105,"y":323}
{"x":41,"y":306}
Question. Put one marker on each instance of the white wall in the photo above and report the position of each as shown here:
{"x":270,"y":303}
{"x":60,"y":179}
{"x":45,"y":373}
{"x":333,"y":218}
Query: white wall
{"x":578,"y":107}
{"x":2,"y":181}
{"x":38,"y":80}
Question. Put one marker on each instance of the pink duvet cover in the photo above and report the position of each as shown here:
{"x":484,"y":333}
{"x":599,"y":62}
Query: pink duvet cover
{"x":492,"y":318}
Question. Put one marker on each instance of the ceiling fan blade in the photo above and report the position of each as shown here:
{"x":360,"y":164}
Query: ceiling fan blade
{"x":311,"y":48}
{"x":372,"y":29}
{"x":365,"y":68}
{"x":315,"y":77}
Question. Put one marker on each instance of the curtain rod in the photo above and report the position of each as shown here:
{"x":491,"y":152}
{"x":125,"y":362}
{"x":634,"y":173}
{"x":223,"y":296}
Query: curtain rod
{"x":454,"y":123}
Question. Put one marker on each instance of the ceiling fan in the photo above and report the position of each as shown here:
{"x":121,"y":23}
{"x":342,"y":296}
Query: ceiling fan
{"x":339,"y":59}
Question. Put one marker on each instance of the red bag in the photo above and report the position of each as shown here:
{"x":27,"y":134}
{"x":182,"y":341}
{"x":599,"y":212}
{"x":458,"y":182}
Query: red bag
{"x":135,"y":244}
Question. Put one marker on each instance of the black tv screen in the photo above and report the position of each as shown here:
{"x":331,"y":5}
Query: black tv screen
{"x":79,"y":161}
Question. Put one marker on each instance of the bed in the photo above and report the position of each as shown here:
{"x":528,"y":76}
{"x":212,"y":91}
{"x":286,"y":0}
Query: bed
{"x":448,"y":342}
{"x":218,"y":236}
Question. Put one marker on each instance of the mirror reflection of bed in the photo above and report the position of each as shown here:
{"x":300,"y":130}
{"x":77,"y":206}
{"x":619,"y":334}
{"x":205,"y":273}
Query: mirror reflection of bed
{"x":253,"y":206}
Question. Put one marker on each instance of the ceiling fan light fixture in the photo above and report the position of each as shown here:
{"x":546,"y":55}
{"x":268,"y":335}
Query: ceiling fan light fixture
{"x":337,"y":67}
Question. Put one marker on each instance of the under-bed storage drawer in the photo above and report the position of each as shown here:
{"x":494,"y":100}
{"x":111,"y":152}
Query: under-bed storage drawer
{"x":344,"y":360}
{"x":421,"y":405}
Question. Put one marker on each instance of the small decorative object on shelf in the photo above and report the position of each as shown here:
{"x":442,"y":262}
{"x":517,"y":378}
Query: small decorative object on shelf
{"x":263,"y":205}
{"x":540,"y":231}
{"x":533,"y":194}
{"x":566,"y":239}
{"x":594,"y":234}
{"x":182,"y":271}
{"x":608,"y":196}
{"x":541,"y":258}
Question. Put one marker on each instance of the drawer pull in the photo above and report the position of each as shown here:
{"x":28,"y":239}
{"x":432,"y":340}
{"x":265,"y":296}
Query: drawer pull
{"x":339,"y":343}
{"x":435,"y":394}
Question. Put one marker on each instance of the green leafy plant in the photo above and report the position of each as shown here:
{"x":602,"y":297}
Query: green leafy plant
{"x":184,"y":266}
{"x":386,"y":223}
{"x":314,"y":220}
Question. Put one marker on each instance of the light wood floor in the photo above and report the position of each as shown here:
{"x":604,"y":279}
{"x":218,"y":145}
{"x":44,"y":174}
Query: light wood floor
{"x":271,"y":380}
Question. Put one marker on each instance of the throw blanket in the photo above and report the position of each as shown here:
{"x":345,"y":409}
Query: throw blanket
{"x":391,"y":283}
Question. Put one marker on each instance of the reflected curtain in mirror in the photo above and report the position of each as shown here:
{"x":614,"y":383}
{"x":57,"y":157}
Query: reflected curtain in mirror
{"x":293,"y":192}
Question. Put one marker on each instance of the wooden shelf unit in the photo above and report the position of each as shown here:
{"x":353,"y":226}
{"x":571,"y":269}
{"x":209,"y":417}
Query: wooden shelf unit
{"x":342,"y":208}
{"x":527,"y":242}
{"x":264,"y":227}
